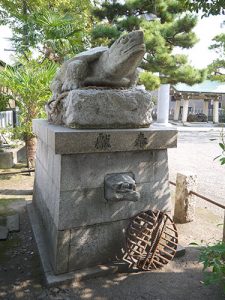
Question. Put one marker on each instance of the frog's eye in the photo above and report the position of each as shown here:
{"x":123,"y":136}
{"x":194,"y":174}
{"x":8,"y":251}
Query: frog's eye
{"x":132,"y":186}
{"x":124,"y":39}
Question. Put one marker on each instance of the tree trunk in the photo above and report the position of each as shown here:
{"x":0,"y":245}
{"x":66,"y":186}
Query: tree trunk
{"x":25,"y":26}
{"x":31,"y":145}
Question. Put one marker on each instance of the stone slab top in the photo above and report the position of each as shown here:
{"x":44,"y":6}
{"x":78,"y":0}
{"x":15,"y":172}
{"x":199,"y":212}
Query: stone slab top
{"x":65,"y":140}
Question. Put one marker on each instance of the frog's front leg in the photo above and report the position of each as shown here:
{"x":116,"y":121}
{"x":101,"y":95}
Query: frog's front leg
{"x":75,"y":75}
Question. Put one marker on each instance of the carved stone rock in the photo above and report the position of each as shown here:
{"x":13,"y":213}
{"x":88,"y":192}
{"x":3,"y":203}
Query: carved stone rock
{"x":121,"y":187}
{"x":95,"y":89}
{"x":99,"y":108}
{"x":100,"y":66}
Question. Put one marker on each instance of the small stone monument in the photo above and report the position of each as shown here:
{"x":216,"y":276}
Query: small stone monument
{"x":98,"y":161}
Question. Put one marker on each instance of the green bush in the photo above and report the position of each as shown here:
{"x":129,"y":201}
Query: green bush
{"x":213,"y":259}
{"x":221,"y":157}
{"x":149,"y":80}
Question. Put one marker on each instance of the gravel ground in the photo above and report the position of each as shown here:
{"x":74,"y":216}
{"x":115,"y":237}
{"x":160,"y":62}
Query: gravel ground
{"x":195,"y":153}
{"x":21,"y":275}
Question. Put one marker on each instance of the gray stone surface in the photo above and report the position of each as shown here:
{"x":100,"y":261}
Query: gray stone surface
{"x":101,"y":66}
{"x":88,"y":206}
{"x":107,"y":108}
{"x":105,"y":68}
{"x":78,"y":275}
{"x":21,"y":154}
{"x":62,"y":247}
{"x":49,"y":219}
{"x":6,"y":160}
{"x":70,"y":141}
{"x":98,"y":244}
{"x":50,"y":162}
{"x":81,"y":169}
{"x":184,"y":210}
{"x":3,"y":221}
{"x":56,"y":242}
{"x":13,"y":223}
{"x":69,"y":194}
{"x":50,"y":277}
{"x":47,"y":188}
{"x":120,"y":187}
{"x":11,"y":156}
{"x":3,"y":232}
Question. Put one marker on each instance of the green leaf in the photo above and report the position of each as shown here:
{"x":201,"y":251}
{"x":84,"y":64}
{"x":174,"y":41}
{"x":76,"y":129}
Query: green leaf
{"x":222,"y":146}
{"x":222,"y":161}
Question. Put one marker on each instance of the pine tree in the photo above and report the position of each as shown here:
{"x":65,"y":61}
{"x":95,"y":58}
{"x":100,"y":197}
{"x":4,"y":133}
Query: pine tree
{"x":206,"y":7}
{"x":216,"y":70}
{"x":166,"y":25}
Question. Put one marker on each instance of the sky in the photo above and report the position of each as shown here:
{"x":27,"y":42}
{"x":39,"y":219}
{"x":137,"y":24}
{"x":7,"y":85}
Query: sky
{"x":207,"y":28}
{"x":5,"y":33}
{"x":199,"y":55}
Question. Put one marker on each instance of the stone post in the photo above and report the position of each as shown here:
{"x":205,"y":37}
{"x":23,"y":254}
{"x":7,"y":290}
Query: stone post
{"x":184,"y":210}
{"x":206,"y":108}
{"x":215,"y":111}
{"x":177,"y":110}
{"x":163,"y":104}
{"x":185,"y":110}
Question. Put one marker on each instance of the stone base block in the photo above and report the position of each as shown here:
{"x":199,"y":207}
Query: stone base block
{"x":3,"y":233}
{"x":11,"y":156}
{"x":82,"y":247}
{"x":99,"y":244}
{"x":82,"y":228}
{"x":105,"y":108}
{"x":50,"y":277}
{"x":13,"y":223}
{"x":6,"y":160}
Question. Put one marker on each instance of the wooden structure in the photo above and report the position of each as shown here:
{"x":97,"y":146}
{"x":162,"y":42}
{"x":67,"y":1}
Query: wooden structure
{"x":207,"y":91}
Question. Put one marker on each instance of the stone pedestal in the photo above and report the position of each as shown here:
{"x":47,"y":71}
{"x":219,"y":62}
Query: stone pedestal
{"x":82,"y":228}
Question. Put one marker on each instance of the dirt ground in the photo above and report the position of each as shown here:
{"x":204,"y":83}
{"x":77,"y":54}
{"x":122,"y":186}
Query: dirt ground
{"x":21,"y":275}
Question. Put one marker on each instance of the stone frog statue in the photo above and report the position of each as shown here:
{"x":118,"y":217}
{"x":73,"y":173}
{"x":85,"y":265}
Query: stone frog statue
{"x":101,"y":66}
{"x":96,"y":88}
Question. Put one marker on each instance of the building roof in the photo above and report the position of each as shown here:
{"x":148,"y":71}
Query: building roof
{"x":207,"y":86}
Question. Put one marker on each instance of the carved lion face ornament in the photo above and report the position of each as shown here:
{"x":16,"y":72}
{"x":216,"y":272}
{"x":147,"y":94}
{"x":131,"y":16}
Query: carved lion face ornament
{"x":121,"y":187}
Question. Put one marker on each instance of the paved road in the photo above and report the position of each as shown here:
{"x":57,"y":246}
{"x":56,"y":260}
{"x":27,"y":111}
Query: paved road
{"x":195,"y":153}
